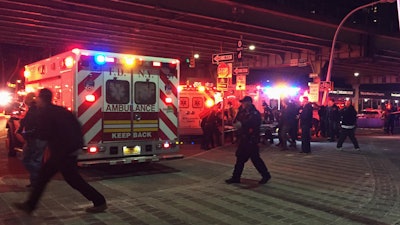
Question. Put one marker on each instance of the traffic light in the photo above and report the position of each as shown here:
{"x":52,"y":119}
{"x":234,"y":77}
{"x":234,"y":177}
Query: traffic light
{"x":192,"y":62}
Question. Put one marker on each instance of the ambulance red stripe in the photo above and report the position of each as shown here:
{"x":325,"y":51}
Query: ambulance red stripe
{"x":166,"y":81}
{"x":169,"y":123}
{"x":81,"y":85}
{"x":163,"y":97}
{"x":92,"y":121}
{"x":96,"y":138}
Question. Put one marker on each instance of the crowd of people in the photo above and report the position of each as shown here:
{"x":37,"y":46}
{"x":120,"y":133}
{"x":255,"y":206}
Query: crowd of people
{"x":296,"y":121}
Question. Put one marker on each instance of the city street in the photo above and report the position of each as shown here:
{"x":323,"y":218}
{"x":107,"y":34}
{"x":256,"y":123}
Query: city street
{"x":325,"y":187}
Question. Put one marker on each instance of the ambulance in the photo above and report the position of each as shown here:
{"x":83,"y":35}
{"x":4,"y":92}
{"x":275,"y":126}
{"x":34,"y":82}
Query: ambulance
{"x":127,"y":104}
{"x":195,"y":99}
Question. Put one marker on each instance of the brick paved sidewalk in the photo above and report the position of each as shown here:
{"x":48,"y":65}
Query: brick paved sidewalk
{"x":326,"y":187}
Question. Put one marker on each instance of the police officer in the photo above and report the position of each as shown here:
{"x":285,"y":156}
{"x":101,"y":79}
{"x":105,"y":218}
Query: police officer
{"x":306,"y":124}
{"x":249,"y":131}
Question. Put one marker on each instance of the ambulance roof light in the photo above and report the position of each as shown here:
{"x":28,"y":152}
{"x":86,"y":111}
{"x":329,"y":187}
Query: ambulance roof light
{"x":129,"y":61}
{"x":156,"y":64}
{"x":76,"y":51}
{"x":100,"y":59}
{"x":201,"y":89}
{"x":27,"y":73}
{"x":69,"y":62}
{"x":209,"y":103}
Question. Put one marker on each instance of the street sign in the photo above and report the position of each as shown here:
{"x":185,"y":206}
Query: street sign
{"x":224,"y":70}
{"x":325,"y":86}
{"x":222,"y":57}
{"x":222,"y":84}
{"x":241,"y":70}
{"x":241,"y":82}
{"x":313,"y":95}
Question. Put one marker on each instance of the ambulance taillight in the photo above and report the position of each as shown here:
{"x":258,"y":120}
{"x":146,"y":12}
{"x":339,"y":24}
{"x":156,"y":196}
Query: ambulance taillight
{"x":168,"y":100}
{"x":90,"y":98}
{"x":93,"y":149}
{"x":166,"y":145}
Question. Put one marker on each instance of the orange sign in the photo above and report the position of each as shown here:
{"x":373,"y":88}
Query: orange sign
{"x":224,"y":70}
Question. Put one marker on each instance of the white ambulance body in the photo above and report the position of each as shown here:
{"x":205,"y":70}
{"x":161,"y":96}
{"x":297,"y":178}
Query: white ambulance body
{"x":193,"y":100}
{"x":127,"y":104}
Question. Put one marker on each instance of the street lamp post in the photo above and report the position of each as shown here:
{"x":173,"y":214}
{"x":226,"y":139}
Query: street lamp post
{"x":329,"y":71}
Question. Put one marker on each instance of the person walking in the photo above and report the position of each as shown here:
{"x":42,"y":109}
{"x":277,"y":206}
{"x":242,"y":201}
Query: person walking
{"x":62,"y":131}
{"x":333,"y":120}
{"x":293,"y":112}
{"x":322,"y":121}
{"x":250,"y":120}
{"x":306,"y":116}
{"x":348,"y":125}
{"x":33,"y":147}
{"x":389,"y":118}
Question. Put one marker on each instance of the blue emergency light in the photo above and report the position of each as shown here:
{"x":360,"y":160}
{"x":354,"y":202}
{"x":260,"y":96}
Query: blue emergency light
{"x":100,"y":59}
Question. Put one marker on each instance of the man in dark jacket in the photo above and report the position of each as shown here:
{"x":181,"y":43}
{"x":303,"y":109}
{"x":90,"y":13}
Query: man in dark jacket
{"x":306,"y":116}
{"x":348,"y":125}
{"x":250,"y":119}
{"x":333,"y":120}
{"x":61,"y":129}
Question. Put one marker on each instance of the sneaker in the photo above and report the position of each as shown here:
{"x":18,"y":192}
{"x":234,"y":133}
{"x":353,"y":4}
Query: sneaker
{"x":264,"y":180}
{"x":339,"y":148}
{"x":358,"y":149}
{"x":23,"y":207}
{"x":97,"y":209}
{"x":232,"y":181}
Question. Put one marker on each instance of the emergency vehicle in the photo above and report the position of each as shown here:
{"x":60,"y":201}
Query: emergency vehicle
{"x":194,"y":99}
{"x":127,"y":104}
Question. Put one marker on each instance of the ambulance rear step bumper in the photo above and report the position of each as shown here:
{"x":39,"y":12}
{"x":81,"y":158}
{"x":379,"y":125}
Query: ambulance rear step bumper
{"x":128,"y":160}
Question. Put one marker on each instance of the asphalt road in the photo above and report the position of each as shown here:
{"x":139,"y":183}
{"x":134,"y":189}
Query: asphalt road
{"x":325,"y":187}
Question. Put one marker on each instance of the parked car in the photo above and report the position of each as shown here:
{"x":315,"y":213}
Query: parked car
{"x":370,"y":118}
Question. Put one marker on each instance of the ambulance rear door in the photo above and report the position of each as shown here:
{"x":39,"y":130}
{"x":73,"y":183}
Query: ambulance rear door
{"x":131,"y":106}
{"x":191,"y":103}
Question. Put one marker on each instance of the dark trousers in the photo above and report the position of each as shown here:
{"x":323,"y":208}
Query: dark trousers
{"x":305,"y":138}
{"x":344,"y":133}
{"x":69,"y":169}
{"x":389,"y":126}
{"x":33,"y":157}
{"x":245,"y":152}
{"x":208,"y":137}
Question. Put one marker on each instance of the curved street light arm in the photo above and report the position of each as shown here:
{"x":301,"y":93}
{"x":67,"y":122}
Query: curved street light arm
{"x":329,"y":71}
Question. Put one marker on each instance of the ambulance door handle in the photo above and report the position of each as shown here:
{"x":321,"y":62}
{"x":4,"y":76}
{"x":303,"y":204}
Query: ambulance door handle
{"x":138,"y":117}
{"x":187,"y":112}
